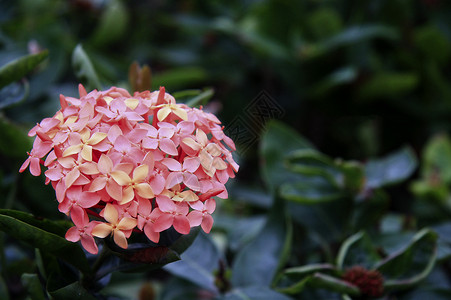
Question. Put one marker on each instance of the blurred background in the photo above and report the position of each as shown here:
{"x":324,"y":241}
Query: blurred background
{"x":359,"y":79}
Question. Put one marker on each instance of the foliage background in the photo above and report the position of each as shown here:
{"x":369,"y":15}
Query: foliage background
{"x":357,"y":79}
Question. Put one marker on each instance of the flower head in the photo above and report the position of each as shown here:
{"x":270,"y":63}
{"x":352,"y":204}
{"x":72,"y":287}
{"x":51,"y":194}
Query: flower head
{"x":115,"y":173}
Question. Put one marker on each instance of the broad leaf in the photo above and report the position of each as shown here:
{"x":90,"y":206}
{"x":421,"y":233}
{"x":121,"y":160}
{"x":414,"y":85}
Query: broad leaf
{"x":258,"y":262}
{"x":412,"y":264}
{"x":277,"y":143}
{"x":391,"y":169}
{"x":84,"y":69}
{"x":33,"y":286}
{"x":43,"y":234}
{"x":198,"y":263}
{"x":357,"y":250}
{"x":250,"y":293}
{"x":20,"y":67}
{"x":73,"y":291}
{"x":322,"y":281}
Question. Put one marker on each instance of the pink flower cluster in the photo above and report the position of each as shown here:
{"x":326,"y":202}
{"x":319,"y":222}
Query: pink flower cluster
{"x":122,"y":163}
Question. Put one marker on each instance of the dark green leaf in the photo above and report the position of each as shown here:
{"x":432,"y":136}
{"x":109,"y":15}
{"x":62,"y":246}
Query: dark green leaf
{"x":412,"y":264}
{"x":178,"y":78}
{"x":391,"y":169}
{"x":258,"y":262}
{"x":198,"y":263}
{"x":444,"y":240}
{"x":139,"y":257}
{"x":14,"y":142}
{"x":432,"y":43}
{"x":322,"y":281}
{"x":389,"y":85}
{"x":253,"y":293}
{"x":200,"y":99}
{"x":4,"y":294}
{"x":309,"y":269}
{"x":14,"y":93}
{"x":437,"y":159}
{"x":357,"y":250}
{"x":84,"y":69}
{"x":20,"y":67}
{"x":113,"y":23}
{"x":310,"y":191}
{"x":43,"y":234}
{"x":73,"y":291}
{"x":277,"y":143}
{"x":33,"y":286}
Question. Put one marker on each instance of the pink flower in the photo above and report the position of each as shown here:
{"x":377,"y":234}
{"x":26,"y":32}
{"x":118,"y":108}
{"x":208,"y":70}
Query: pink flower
{"x":82,"y":232}
{"x":107,"y":161}
{"x":201,"y":215}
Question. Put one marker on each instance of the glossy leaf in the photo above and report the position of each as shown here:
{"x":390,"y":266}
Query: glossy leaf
{"x":277,"y":143}
{"x":3,"y":289}
{"x":257,"y":292}
{"x":178,"y":78}
{"x":73,"y":291}
{"x":198,"y":263}
{"x":20,"y":67}
{"x":139,"y":257}
{"x":14,"y":141}
{"x":323,"y":281}
{"x":201,"y":99}
{"x":43,"y":234}
{"x":309,"y":269}
{"x":34,"y":286}
{"x":357,"y":250}
{"x":258,"y":262}
{"x":84,"y":69}
{"x":310,"y":191}
{"x":391,"y":169}
{"x":113,"y":23}
{"x":389,"y":85}
{"x":13,"y":94}
{"x":412,"y":264}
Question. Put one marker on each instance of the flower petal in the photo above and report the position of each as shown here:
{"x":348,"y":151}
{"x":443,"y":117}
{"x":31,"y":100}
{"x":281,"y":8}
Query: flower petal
{"x":102,"y":230}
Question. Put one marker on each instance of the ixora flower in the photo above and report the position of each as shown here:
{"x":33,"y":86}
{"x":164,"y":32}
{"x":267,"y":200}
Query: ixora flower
{"x":121,"y":164}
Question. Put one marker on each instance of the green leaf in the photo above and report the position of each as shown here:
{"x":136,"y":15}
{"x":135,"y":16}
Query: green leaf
{"x":389,"y":84}
{"x":4,"y":294}
{"x":251,"y":293}
{"x":322,"y":281}
{"x":278,"y":141}
{"x":73,"y":291}
{"x":444,"y":240}
{"x":391,"y":169}
{"x":14,"y":142}
{"x":198,"y":263}
{"x":200,"y":99}
{"x":43,"y":234}
{"x":20,"y":67}
{"x":310,"y":191}
{"x":179,"y":78}
{"x":410,"y":265}
{"x":84,"y":69}
{"x":432,"y":43}
{"x":309,"y":269}
{"x":144,"y":257}
{"x":357,"y":250}
{"x":437,"y":159}
{"x":33,"y":286}
{"x":14,"y":93}
{"x":310,"y":162}
{"x":113,"y":23}
{"x":258,"y":262}
{"x":347,"y":37}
